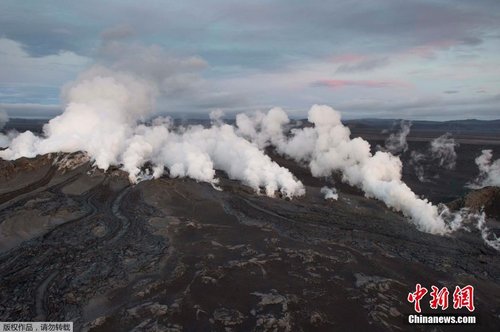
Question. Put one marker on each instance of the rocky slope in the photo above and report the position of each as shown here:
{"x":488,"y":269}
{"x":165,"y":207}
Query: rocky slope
{"x":177,"y":255}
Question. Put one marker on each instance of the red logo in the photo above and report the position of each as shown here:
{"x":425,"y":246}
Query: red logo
{"x":462,"y":297}
{"x":439,"y":298}
{"x":417,"y":296}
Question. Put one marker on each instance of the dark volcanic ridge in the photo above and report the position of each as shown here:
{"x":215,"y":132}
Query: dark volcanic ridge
{"x":485,"y":199}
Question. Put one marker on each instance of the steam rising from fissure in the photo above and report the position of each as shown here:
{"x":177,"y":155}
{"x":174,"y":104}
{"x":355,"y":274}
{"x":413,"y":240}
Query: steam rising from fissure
{"x":104,"y":116}
{"x":489,"y":171}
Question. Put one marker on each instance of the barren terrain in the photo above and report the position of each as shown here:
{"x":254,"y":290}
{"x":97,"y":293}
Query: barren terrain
{"x":176,"y":255}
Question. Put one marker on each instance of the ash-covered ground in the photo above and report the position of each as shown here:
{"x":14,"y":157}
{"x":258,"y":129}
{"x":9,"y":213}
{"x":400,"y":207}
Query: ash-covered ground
{"x":82,"y":245}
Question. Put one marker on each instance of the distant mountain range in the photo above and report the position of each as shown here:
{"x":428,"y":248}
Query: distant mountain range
{"x":469,"y":126}
{"x":453,"y":126}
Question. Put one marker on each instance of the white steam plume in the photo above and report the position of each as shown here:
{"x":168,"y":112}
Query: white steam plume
{"x":105,"y":106}
{"x":330,"y":193}
{"x":442,"y":150}
{"x":396,"y":142}
{"x":196,"y":152}
{"x":417,"y":161}
{"x":103,"y":110}
{"x":327,"y":147}
{"x":490,"y":238}
{"x":440,"y":153}
{"x":489,"y":171}
{"x":263,"y":128}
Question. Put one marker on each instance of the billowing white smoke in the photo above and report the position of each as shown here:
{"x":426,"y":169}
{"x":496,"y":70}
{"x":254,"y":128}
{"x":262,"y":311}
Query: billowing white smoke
{"x":418,"y":161}
{"x":464,"y":218}
{"x":4,"y":139}
{"x":490,"y":238}
{"x":103,"y":109}
{"x":489,"y":171}
{"x":396,"y":142}
{"x":327,"y":147}
{"x":442,"y":150}
{"x":196,"y":152}
{"x":378,"y":175}
{"x":330,"y":193}
{"x":441,"y":153}
{"x":263,"y":128}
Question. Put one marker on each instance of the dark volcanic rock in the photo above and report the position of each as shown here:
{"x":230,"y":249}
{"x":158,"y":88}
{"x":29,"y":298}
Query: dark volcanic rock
{"x":9,"y":169}
{"x":177,"y":255}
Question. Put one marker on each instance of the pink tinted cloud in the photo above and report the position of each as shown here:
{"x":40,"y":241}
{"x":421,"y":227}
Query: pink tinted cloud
{"x":339,"y":83}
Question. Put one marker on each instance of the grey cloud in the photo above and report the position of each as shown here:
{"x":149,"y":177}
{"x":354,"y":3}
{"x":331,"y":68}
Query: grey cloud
{"x":268,"y":32}
{"x":426,"y":108}
{"x":176,"y":77}
{"x":41,"y":31}
{"x":29,"y":94}
{"x":471,"y":41}
{"x":31,"y":110}
{"x":365,"y":65}
{"x":238,"y":39}
{"x":121,"y":31}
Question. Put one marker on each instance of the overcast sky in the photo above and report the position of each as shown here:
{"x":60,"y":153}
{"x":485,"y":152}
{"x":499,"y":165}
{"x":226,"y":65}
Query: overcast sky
{"x":387,"y":58}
